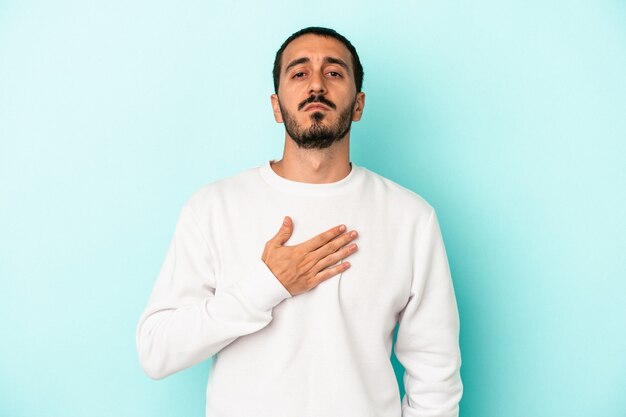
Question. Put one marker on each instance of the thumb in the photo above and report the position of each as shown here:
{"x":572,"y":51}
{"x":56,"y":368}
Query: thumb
{"x":284,"y":233}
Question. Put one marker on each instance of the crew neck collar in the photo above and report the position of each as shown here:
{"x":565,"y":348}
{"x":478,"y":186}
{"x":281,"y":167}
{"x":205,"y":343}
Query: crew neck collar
{"x":304,"y":188}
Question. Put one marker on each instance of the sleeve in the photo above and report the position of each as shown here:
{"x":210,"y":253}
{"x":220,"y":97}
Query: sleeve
{"x":186,"y":321}
{"x":427,"y":344}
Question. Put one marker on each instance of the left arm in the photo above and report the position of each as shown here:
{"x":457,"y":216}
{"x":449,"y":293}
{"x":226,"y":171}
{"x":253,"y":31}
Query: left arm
{"x":428,"y":335}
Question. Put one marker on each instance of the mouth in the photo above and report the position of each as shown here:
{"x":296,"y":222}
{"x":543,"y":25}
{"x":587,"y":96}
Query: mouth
{"x":315,"y":106}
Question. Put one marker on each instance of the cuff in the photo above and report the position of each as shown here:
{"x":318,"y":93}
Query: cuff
{"x":263,"y":288}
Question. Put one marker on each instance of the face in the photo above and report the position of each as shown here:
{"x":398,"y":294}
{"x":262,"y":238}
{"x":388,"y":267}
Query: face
{"x":317,"y":98}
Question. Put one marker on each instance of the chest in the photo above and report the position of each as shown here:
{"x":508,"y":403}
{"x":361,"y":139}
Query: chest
{"x":373,"y":290}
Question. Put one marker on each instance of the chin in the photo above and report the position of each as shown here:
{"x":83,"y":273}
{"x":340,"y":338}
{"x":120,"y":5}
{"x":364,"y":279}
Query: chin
{"x":317,"y":117}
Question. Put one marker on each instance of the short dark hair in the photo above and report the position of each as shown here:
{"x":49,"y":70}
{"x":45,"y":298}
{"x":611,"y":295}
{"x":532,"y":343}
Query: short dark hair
{"x":326,"y":32}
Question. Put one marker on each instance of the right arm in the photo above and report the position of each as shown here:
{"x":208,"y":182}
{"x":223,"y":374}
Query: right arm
{"x":186,"y":321}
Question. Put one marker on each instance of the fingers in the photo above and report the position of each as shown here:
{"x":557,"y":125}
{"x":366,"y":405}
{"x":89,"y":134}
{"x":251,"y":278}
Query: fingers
{"x":284,"y":233}
{"x":335,"y":256}
{"x":331,"y":272}
{"x":323,"y":238}
{"x":334,"y":245}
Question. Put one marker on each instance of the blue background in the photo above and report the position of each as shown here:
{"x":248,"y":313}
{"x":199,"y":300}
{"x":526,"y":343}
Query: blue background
{"x":508,"y":117}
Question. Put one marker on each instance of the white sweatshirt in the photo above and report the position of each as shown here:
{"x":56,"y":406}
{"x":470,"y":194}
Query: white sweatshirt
{"x":323,"y":353}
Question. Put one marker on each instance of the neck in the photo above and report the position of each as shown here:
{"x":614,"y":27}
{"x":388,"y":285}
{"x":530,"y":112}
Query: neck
{"x":315,"y":166}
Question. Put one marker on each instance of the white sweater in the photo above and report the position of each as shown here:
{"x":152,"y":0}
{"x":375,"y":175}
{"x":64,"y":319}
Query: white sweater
{"x":323,"y":353}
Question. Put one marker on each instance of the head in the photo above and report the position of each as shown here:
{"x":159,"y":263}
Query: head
{"x":317,"y":81}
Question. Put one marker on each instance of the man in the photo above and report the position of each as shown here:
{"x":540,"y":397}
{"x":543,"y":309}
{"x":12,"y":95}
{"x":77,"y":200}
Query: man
{"x":301,"y":325}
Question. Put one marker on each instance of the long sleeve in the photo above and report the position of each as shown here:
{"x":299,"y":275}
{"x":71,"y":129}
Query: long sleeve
{"x":186,"y":320}
{"x":428,"y":335}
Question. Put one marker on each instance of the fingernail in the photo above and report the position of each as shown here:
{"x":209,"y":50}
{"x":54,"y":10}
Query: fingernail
{"x":342,"y":228}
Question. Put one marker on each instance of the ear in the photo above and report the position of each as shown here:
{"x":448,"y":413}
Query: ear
{"x":358,"y":107}
{"x":278,"y":116}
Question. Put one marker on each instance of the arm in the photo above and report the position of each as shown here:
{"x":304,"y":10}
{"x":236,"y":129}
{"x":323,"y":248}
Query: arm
{"x":428,"y":335}
{"x":186,"y":321}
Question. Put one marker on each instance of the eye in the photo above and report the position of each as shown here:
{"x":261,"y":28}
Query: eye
{"x":334,"y":74}
{"x":298,"y":75}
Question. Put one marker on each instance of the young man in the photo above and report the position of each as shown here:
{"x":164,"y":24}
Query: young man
{"x":301,"y":325}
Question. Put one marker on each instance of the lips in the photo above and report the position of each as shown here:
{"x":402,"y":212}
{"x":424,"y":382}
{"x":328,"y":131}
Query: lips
{"x":315,"y":106}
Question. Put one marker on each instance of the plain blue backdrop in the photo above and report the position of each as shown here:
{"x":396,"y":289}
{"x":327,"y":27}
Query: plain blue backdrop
{"x":508,"y":117}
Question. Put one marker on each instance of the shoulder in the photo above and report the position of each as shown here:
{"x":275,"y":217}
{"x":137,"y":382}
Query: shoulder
{"x":400,"y":196}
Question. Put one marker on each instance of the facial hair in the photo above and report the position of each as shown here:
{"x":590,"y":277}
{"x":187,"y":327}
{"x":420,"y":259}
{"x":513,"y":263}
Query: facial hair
{"x":318,"y":135}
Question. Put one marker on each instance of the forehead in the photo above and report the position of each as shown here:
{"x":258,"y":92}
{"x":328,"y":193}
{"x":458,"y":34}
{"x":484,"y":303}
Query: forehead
{"x":315,"y":47}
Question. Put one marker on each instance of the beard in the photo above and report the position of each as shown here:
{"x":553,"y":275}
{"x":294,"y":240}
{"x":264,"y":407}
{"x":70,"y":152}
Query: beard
{"x":318,"y":135}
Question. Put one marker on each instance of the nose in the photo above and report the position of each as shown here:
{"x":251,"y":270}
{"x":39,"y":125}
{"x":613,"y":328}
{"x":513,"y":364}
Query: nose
{"x":317,"y":85}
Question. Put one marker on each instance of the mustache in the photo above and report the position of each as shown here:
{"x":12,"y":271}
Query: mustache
{"x":317,"y":99}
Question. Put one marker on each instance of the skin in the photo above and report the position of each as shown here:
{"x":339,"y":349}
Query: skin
{"x":302,"y":267}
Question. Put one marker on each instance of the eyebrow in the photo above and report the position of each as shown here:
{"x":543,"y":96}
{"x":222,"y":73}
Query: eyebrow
{"x":327,"y":60}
